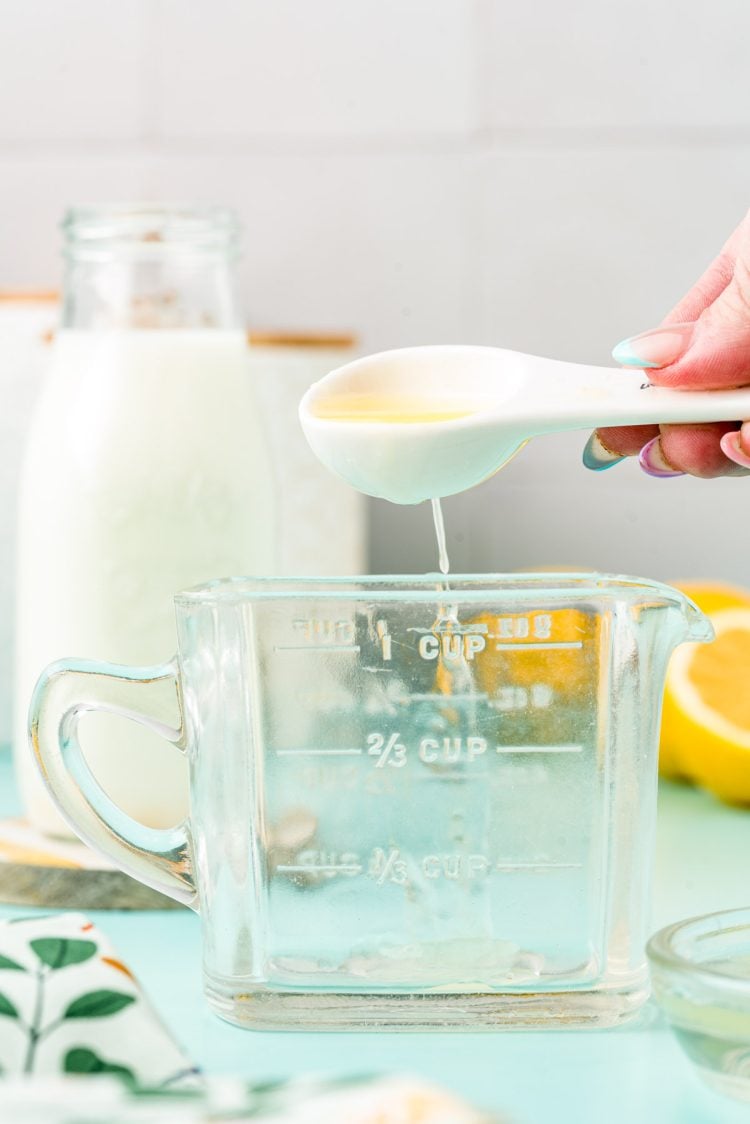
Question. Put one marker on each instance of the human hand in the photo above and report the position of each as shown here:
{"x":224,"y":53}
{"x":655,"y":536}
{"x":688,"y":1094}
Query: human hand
{"x":704,"y":344}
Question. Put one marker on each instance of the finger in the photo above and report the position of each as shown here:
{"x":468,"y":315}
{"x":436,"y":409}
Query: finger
{"x":712,"y":281}
{"x":736,"y":445}
{"x":693,"y":449}
{"x":718,"y":353}
{"x":626,"y":440}
{"x":704,"y":292}
{"x":662,"y":347}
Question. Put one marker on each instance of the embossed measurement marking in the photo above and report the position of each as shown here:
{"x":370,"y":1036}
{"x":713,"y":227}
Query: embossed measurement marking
{"x":390,"y":865}
{"x":316,"y":648}
{"x":538,"y":748}
{"x":508,"y":868}
{"x":452,"y":627}
{"x":322,"y":868}
{"x":387,"y":866}
{"x":390,"y":750}
{"x":382,"y":865}
{"x":446,"y":700}
{"x":538,"y":646}
{"x":311,"y":752}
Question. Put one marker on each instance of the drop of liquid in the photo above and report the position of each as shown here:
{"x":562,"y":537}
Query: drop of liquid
{"x":437,"y":516}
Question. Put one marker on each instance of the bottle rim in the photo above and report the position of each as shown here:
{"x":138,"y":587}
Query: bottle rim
{"x":148,"y":230}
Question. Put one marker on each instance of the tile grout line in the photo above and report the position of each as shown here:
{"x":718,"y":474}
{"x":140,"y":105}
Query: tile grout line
{"x":477,"y":143}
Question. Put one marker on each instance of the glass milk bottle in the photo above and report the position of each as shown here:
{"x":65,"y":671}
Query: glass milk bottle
{"x":146,"y":471}
{"x":28,"y":320}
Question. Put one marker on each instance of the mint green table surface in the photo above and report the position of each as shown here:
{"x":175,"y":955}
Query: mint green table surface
{"x":634,"y":1074}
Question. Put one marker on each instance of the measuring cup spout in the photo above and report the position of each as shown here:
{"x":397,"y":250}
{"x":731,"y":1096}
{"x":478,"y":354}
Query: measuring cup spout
{"x":686,"y":623}
{"x":664,"y":619}
{"x":698,"y":627}
{"x":676,"y":620}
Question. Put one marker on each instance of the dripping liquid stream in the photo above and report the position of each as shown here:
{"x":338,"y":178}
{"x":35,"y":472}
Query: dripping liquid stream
{"x":447,"y":616}
{"x":437,"y":517}
{"x":457,"y":676}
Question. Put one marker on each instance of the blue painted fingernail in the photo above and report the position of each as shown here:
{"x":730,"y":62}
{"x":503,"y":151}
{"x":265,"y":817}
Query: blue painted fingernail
{"x":597,"y":456}
{"x":622,"y":354}
{"x":657,"y":348}
{"x":653,"y":462}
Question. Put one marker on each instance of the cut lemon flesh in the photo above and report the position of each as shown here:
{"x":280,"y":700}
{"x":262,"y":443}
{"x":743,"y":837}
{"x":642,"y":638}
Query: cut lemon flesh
{"x":711,"y":681}
{"x":706,"y":716}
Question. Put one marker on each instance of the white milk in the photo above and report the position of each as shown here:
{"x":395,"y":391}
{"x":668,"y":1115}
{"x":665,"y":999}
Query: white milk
{"x":146,"y":472}
{"x":26,"y":321}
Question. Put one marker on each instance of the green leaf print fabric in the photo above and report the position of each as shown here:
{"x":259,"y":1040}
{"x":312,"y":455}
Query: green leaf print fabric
{"x":80,"y":1043}
{"x":68,"y":1004}
{"x":105,"y":1099}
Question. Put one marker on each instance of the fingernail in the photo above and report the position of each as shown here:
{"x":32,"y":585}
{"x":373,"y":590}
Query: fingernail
{"x":657,"y":348}
{"x":731,"y":447}
{"x":597,"y":456}
{"x":653,"y":462}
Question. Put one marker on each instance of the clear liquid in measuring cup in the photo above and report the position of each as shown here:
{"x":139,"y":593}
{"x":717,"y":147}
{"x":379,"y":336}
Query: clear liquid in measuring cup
{"x":450,"y":790}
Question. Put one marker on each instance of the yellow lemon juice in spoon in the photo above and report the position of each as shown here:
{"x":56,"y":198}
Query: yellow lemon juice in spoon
{"x":390,"y":409}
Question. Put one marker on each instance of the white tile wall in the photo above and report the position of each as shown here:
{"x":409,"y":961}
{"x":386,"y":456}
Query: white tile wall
{"x":72,"y":71}
{"x":377,"y":242}
{"x":580,"y":249}
{"x":543,"y":176}
{"x":244,"y":68}
{"x":617,"y":65}
{"x":36,"y":187}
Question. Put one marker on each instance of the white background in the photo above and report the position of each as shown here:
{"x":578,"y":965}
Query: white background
{"x":541,"y":175}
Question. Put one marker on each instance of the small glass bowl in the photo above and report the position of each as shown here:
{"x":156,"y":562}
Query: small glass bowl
{"x":700,"y":969}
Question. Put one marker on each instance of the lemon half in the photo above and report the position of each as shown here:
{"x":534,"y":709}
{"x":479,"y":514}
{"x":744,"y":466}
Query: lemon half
{"x":705,"y":734}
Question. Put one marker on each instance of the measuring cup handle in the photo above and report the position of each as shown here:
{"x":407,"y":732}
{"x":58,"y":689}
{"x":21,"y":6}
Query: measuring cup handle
{"x":159,"y":857}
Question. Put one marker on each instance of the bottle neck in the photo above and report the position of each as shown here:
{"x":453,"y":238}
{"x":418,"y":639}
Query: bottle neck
{"x":120,"y":295}
{"x":146,"y":268}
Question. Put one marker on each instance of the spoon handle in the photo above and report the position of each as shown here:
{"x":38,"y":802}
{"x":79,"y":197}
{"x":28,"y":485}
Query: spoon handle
{"x":697,"y":405}
{"x":608,"y":396}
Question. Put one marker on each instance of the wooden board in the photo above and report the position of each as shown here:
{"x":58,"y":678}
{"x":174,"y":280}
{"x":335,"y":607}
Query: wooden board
{"x":65,"y":874}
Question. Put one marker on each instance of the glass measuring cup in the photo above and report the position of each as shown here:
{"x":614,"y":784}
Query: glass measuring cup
{"x":413,"y":804}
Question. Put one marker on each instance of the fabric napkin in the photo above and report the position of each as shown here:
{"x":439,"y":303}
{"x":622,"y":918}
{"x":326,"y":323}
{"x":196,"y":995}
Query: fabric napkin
{"x":100,"y":1100}
{"x":81,"y":1044}
{"x":69,"y":1005}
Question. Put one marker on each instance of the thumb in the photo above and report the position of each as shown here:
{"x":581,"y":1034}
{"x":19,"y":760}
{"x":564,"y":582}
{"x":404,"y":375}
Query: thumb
{"x":711,"y":352}
{"x":716,"y":352}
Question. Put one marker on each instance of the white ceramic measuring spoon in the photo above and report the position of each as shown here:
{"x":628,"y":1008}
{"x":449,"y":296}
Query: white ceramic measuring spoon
{"x":424,"y":422}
